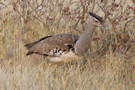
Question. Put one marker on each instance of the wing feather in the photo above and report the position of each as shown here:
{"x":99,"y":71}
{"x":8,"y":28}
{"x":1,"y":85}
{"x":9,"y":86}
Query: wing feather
{"x":53,"y":45}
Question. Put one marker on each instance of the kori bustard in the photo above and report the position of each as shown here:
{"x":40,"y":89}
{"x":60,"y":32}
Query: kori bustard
{"x":61,"y":47}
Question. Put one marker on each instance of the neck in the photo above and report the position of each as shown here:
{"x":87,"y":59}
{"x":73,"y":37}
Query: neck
{"x":83,"y":43}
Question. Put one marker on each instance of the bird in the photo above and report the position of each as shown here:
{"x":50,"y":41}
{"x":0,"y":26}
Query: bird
{"x":64,"y":46}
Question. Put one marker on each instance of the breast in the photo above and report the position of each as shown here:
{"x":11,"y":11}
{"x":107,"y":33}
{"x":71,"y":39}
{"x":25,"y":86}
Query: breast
{"x":65,"y":57}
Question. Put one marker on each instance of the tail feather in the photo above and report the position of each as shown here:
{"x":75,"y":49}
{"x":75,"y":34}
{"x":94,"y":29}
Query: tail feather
{"x":29,"y":53}
{"x":28,"y":46}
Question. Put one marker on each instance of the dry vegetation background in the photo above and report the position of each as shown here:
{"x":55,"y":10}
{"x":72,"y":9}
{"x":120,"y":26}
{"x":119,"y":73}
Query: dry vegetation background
{"x":109,"y":66}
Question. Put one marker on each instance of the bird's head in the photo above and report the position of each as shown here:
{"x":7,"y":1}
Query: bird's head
{"x":96,"y":20}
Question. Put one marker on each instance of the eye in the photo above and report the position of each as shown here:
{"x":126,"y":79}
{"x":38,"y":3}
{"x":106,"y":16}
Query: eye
{"x":96,"y":20}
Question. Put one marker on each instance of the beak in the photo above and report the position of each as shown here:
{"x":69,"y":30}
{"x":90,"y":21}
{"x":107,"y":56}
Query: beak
{"x":99,"y":19}
{"x":105,"y":26}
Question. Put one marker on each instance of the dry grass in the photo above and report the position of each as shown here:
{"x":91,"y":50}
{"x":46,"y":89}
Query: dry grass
{"x":109,"y":66}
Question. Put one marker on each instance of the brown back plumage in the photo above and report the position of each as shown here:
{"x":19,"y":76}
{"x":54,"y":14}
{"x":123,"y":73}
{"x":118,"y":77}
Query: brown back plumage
{"x":28,"y":46}
{"x":52,"y":45}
